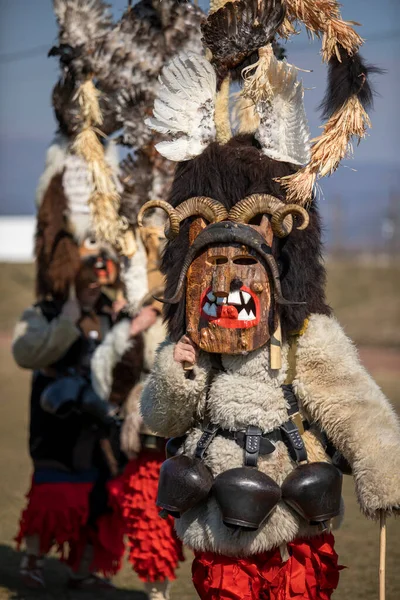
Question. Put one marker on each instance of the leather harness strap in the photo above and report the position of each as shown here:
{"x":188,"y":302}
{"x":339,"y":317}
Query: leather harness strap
{"x":252,"y":439}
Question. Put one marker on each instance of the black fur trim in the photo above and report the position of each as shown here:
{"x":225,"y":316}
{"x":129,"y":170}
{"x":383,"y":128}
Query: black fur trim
{"x":345,"y":79}
{"x":238,"y":29}
{"x":229,"y":173}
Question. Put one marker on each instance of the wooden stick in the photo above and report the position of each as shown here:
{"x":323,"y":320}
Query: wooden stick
{"x":382,"y":556}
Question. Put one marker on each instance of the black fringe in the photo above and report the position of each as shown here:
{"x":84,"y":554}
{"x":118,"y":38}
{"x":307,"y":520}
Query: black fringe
{"x":229,"y":173}
{"x":346,"y":78}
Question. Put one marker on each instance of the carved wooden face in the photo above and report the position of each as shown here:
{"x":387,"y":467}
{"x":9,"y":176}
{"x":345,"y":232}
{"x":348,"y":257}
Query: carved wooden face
{"x":228,"y":300}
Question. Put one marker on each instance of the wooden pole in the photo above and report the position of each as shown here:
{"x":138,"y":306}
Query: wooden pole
{"x":382,"y":556}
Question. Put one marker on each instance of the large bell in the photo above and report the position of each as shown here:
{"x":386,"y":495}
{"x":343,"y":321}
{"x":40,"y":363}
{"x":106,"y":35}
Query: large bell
{"x":184,"y":482}
{"x":245,"y":496}
{"x":314,"y":491}
{"x":174,"y":446}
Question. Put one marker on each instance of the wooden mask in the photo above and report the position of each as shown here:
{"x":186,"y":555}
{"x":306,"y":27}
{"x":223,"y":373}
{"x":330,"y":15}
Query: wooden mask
{"x":229,"y":305}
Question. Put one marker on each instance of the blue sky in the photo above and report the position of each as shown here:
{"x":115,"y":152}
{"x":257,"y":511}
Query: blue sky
{"x":26,"y":119}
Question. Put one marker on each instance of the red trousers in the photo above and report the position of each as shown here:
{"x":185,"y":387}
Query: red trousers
{"x":310,"y":573}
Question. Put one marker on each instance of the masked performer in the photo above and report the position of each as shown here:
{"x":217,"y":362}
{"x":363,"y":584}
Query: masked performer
{"x":159,"y":31}
{"x":73,"y":501}
{"x":256,"y":374}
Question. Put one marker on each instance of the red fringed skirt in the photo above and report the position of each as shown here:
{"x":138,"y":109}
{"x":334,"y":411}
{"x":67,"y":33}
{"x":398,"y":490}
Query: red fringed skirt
{"x":106,"y":538}
{"x":56,"y":512}
{"x":154,"y":549}
{"x":311,"y":573}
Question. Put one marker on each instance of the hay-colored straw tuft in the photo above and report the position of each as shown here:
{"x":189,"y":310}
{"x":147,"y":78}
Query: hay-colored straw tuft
{"x":328,"y":150}
{"x":257,"y":86}
{"x":104,"y":202}
{"x":322,"y":18}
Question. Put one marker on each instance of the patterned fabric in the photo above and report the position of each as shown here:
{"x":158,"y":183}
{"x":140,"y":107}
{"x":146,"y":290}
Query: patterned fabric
{"x":154,"y":549}
{"x":310,"y":573}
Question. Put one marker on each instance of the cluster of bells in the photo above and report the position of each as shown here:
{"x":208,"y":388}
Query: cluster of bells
{"x":245,"y":495}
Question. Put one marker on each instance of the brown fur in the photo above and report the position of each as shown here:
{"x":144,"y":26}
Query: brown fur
{"x":57,"y":255}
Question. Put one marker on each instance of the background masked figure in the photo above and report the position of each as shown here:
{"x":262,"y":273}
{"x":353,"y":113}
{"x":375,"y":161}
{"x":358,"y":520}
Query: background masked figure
{"x":256,"y":374}
{"x":106,"y":85}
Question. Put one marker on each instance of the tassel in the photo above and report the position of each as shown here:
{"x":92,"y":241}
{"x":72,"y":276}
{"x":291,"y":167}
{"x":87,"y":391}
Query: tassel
{"x":351,"y":120}
{"x":104,"y":202}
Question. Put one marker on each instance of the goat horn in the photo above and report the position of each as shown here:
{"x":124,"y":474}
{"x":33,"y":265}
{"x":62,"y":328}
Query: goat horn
{"x":212,"y":210}
{"x":173,"y":216}
{"x":257,"y":204}
{"x":279,"y":217}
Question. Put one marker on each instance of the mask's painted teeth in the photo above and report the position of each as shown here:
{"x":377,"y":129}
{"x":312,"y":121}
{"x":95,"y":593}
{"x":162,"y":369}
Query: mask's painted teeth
{"x":246,"y":297}
{"x":210,"y":309}
{"x":235,"y":298}
{"x":239,"y":301}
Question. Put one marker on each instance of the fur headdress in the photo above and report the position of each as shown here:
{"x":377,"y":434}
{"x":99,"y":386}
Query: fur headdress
{"x":275,"y":156}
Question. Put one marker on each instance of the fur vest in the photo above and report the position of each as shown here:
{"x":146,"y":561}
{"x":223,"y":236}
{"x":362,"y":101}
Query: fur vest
{"x":336,"y":393}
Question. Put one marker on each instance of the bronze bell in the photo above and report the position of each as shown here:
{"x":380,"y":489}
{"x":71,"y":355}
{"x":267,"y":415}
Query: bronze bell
{"x":246,"y":497}
{"x":184,"y":482}
{"x":314,"y":491}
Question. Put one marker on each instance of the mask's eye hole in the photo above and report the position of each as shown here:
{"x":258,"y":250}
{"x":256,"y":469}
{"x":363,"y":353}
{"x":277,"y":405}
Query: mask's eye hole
{"x":244,"y":260}
{"x":90,"y":243}
{"x":217,"y":260}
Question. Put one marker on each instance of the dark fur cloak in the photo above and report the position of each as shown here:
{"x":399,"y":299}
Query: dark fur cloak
{"x":228,"y":174}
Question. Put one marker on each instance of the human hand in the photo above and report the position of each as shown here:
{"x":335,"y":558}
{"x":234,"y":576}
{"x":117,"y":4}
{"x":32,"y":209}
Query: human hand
{"x":71,"y":310}
{"x":185,"y":351}
{"x":145,"y":319}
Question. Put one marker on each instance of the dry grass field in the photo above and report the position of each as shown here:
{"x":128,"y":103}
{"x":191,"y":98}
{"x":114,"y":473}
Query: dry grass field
{"x":366,"y":302}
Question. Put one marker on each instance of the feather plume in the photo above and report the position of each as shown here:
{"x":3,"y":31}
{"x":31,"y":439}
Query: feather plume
{"x":82,"y":22}
{"x":238,"y":29}
{"x":283,"y":131}
{"x":185,"y":107}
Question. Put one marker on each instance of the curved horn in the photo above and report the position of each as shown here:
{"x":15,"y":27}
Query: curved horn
{"x":220,"y":233}
{"x":174,"y":219}
{"x":212,"y":210}
{"x":257,"y":204}
{"x":279,"y":217}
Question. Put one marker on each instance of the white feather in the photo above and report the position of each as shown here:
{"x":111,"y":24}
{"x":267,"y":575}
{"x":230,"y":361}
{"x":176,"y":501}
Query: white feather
{"x":283,"y":131}
{"x":184,"y":107}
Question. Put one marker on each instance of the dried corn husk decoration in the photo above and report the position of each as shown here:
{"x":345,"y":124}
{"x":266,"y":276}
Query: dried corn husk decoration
{"x":256,"y":81}
{"x":104,"y":202}
{"x":322,"y":19}
{"x":328,"y":150}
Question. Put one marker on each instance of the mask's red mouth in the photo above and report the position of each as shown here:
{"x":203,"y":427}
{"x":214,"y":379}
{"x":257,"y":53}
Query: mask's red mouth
{"x":240,"y":310}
